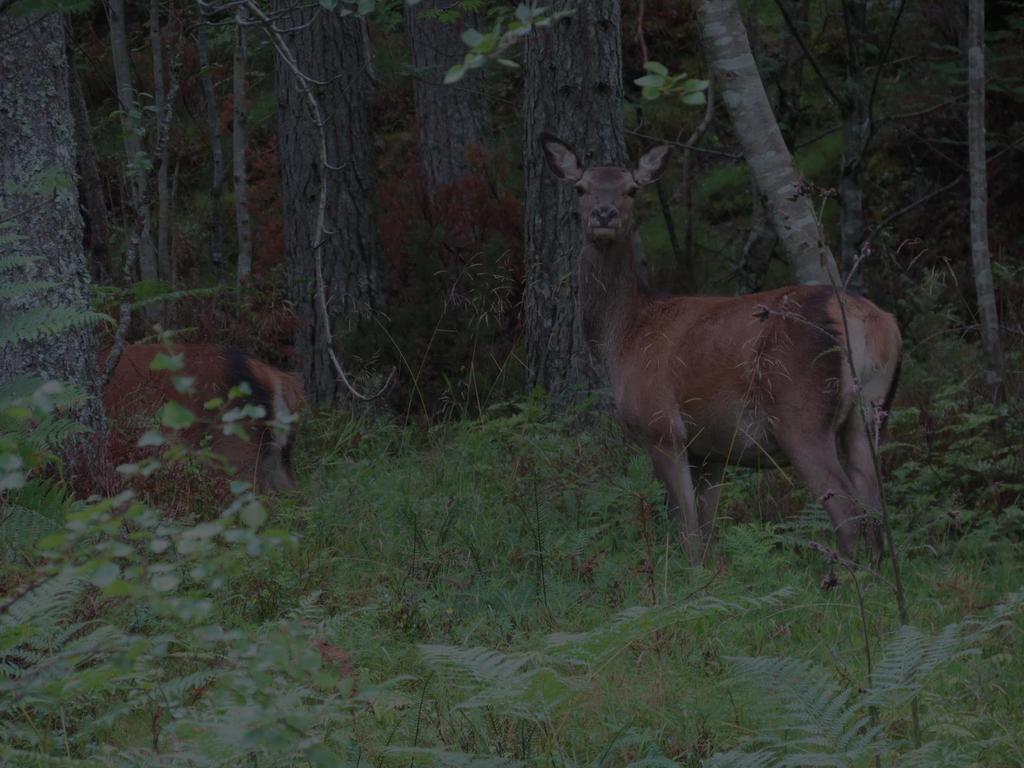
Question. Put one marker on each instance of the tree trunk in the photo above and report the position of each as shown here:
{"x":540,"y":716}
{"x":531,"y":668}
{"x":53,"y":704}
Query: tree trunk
{"x":163,"y":187}
{"x":216,"y":153}
{"x":331,"y":50}
{"x":761,"y":240}
{"x":573,"y":89}
{"x":451,"y":118}
{"x":979,"y":201}
{"x":131,"y":119}
{"x":771,"y":165}
{"x":239,"y":143}
{"x":39,"y":141}
{"x":855,"y":137}
{"x":90,"y":184}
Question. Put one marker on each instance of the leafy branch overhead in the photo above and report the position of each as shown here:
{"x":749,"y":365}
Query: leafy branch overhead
{"x":506,"y":33}
{"x":658,"y":83}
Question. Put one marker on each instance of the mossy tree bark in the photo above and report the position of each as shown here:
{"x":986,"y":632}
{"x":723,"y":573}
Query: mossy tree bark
{"x":450,"y":119}
{"x":46,"y":269}
{"x":573,"y":89}
{"x":331,"y":50}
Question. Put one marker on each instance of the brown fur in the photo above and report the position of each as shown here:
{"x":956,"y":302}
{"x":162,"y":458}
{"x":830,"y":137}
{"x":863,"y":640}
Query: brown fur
{"x":757,"y":380}
{"x":135,"y":393}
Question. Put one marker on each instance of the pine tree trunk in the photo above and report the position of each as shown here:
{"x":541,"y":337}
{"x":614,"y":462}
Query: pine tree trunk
{"x":573,"y":89}
{"x":90,"y":184}
{"x":792,"y":214}
{"x":240,"y":141}
{"x":216,"y":153}
{"x":163,"y":188}
{"x":38,"y":133}
{"x":334,"y":51}
{"x":451,"y":118}
{"x":130,"y":124}
{"x":980,"y":258}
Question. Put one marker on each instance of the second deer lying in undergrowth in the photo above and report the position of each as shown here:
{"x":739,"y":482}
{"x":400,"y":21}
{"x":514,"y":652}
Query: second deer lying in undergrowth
{"x":705,"y":381}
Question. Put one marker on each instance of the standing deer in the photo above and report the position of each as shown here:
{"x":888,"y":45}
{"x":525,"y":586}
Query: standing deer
{"x":705,"y":381}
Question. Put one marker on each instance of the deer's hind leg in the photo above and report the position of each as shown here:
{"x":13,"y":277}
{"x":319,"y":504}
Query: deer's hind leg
{"x":860,"y":467}
{"x":815,"y":457}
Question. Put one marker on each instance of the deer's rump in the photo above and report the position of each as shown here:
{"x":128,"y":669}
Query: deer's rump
{"x":135,"y":393}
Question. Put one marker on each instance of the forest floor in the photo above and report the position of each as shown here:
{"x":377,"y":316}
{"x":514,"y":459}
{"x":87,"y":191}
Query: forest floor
{"x":507,"y":533}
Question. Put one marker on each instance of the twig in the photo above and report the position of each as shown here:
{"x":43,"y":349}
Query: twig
{"x":670,"y":142}
{"x":841,"y":103}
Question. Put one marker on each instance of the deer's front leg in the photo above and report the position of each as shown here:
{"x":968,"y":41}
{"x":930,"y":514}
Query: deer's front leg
{"x":672,"y":467}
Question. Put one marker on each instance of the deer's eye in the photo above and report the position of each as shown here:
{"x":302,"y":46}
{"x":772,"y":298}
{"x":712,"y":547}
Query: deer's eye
{"x":580,"y":191}
{"x":632,"y":191}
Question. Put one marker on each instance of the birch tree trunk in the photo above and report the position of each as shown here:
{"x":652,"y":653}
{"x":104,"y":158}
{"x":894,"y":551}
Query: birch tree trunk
{"x":240,"y":141}
{"x":450,"y":118}
{"x":90,"y":184}
{"x":51,"y":282}
{"x":735,"y":72}
{"x":573,"y":89}
{"x":332,"y":50}
{"x":163,"y":188}
{"x":216,"y":152}
{"x":980,"y":259}
{"x":131,"y":127}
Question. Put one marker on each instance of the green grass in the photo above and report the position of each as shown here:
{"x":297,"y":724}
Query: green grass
{"x":500,"y":533}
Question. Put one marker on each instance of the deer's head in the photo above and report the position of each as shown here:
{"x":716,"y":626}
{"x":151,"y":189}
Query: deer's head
{"x":606,"y":193}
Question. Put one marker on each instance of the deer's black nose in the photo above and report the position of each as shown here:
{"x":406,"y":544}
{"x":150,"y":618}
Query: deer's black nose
{"x":604,"y":215}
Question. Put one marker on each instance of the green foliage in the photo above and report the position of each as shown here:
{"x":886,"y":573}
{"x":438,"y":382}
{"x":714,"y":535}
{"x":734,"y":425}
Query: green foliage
{"x":34,"y":324}
{"x":658,"y":83}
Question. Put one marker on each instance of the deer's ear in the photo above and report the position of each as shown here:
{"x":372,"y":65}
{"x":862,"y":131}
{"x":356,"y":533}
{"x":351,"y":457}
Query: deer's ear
{"x":652,"y":164}
{"x":560,"y":158}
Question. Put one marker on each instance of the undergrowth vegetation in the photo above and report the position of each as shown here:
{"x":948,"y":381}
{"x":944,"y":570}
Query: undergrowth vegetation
{"x":505,"y":591}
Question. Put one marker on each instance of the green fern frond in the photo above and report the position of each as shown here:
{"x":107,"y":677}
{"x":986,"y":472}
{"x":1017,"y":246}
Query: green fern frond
{"x":936,"y":754}
{"x":482,"y":665}
{"x":16,"y":290}
{"x":43,"y":608}
{"x":593,"y":647}
{"x":16,"y":261}
{"x":818,"y":718}
{"x":175,"y":296}
{"x":442,"y":757}
{"x":907,"y":659}
{"x":33,"y":324}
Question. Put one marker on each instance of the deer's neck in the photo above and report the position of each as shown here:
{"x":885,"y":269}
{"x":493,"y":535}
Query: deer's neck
{"x":611,"y":293}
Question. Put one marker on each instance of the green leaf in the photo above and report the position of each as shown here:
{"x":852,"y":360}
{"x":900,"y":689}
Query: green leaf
{"x":695,"y":99}
{"x":320,"y":756}
{"x":650,"y":80}
{"x":455,"y":74}
{"x":366,"y":7}
{"x":176,"y":416}
{"x":656,"y":68}
{"x":106,"y":574}
{"x":253,"y":515}
{"x":472,"y":37}
{"x":164,"y":362}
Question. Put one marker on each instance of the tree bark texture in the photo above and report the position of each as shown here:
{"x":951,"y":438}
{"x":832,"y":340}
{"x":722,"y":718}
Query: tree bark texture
{"x":37,"y":138}
{"x":131,"y":126}
{"x":573,"y":89}
{"x":216,"y":153}
{"x":332,"y":50}
{"x":792,"y":214}
{"x":980,"y":257}
{"x":90,"y":183}
{"x":239,"y":143}
{"x":450,"y":118}
{"x":163,"y":186}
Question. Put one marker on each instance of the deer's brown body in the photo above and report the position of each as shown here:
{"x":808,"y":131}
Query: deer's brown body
{"x":759,"y":380}
{"x":135,"y":393}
